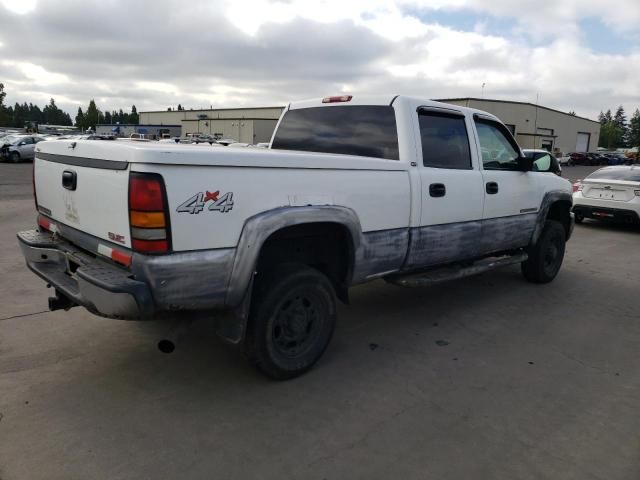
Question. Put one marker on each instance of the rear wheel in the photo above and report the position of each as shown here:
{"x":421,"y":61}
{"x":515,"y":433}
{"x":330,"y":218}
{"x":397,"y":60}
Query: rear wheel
{"x":579,"y":217}
{"x":292,"y":319}
{"x":545,"y":257}
{"x":14,"y":157}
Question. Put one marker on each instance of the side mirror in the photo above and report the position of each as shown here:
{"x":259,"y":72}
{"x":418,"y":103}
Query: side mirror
{"x":524,"y":164}
{"x":22,"y":143}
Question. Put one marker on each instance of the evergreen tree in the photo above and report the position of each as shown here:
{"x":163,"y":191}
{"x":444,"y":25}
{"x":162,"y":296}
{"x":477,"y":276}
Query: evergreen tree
{"x":634,"y":129}
{"x":4,"y":114}
{"x":133,"y":118}
{"x":107,"y":117}
{"x":80,"y":122}
{"x":92,"y":116}
{"x":620,"y":121}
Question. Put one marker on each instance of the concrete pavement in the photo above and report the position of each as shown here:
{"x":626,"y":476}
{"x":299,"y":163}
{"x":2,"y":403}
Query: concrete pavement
{"x":485,"y":378}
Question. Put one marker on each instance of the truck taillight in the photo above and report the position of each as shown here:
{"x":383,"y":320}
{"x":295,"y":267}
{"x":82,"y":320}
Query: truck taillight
{"x":148,"y":213}
{"x":337,"y":99}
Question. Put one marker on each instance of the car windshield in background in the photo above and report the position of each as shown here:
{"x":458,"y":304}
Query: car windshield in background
{"x":367,"y":131}
{"x":631,"y":174}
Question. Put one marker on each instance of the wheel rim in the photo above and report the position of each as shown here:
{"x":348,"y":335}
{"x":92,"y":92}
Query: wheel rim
{"x":297,"y":324}
{"x":552,"y":255}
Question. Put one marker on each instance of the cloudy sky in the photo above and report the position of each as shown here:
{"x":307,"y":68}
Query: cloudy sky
{"x":581,"y":55}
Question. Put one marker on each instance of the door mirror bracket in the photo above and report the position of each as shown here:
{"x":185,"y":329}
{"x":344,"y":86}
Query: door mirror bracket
{"x":525,"y":164}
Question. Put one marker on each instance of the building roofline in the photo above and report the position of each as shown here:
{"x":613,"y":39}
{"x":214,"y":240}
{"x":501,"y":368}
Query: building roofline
{"x":136,"y":125}
{"x":213,"y":109}
{"x":445,"y":100}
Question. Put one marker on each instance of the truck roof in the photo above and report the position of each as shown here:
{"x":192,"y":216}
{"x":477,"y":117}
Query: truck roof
{"x":385,"y":100}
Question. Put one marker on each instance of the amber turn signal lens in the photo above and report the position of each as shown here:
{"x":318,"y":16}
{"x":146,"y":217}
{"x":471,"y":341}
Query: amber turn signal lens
{"x":147,"y":219}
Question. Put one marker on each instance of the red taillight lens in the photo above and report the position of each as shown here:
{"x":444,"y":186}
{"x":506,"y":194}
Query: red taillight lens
{"x":337,"y":98}
{"x":577,"y":187}
{"x":146,"y":192}
{"x":150,"y":246}
{"x":148,"y":214}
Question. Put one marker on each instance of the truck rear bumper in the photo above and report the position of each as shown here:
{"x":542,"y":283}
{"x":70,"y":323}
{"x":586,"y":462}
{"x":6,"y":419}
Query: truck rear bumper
{"x":100,"y":287}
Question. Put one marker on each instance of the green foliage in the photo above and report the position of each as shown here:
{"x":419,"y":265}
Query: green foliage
{"x":615,"y":131}
{"x":21,"y":115}
{"x":634,"y":129}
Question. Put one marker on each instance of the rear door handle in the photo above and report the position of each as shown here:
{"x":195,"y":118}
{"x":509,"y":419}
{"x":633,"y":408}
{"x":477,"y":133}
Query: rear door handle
{"x":437,"y":190}
{"x":491,"y":188}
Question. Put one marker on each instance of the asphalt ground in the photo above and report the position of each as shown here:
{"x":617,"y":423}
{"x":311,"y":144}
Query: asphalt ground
{"x":489,"y":377}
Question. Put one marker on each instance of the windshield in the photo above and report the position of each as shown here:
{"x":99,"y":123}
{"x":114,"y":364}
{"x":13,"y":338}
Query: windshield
{"x":8,"y":139}
{"x":630,"y":174}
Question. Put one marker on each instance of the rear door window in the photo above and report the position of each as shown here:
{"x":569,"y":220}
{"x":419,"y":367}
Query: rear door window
{"x":445,"y":143}
{"x":367,"y":131}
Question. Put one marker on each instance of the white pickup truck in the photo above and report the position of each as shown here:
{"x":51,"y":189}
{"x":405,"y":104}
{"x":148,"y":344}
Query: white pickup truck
{"x":352,"y":189}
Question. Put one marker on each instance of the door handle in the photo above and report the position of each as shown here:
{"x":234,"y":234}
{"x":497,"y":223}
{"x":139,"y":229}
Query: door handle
{"x":437,"y":190}
{"x":491,"y":188}
{"x":69,"y":179}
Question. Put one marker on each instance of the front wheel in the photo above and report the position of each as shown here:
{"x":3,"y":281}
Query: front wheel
{"x":14,"y":157}
{"x":545,"y":257}
{"x":292,"y":320}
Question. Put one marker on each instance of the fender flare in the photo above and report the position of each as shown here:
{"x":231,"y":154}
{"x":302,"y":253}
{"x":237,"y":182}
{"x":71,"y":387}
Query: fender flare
{"x":549,"y":199}
{"x":258,"y":228}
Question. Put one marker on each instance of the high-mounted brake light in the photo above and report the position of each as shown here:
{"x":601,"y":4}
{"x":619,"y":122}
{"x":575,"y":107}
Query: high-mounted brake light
{"x":337,"y":98}
{"x":148,"y":214}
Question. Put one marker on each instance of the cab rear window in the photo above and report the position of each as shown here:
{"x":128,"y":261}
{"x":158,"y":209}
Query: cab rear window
{"x":367,"y":131}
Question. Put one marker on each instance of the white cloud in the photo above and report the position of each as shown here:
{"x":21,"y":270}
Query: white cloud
{"x":19,"y":6}
{"x":266,"y":52}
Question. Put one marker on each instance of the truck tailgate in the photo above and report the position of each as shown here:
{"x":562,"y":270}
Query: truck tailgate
{"x":88,"y":194}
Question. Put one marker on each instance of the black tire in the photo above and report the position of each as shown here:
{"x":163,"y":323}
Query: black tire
{"x":292,"y":320}
{"x":579,"y":217}
{"x":545,"y":257}
{"x":14,"y":157}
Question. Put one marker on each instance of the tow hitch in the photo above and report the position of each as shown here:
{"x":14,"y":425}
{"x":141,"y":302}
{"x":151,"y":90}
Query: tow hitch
{"x":60,"y":302}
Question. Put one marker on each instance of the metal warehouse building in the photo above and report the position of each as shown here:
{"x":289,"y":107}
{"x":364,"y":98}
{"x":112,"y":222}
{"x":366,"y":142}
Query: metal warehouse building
{"x":248,"y":125}
{"x":535,"y":126}
{"x":151,"y":131}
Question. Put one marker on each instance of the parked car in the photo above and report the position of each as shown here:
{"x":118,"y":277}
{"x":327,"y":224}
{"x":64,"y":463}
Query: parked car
{"x":17,"y":148}
{"x":596,"y":158}
{"x":565,"y":160}
{"x":579,"y":158}
{"x":543,"y":161}
{"x":610,"y":193}
{"x":349,"y":194}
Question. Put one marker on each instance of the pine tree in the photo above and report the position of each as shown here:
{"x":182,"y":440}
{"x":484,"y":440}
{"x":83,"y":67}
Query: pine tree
{"x":133,"y":118}
{"x":620,"y":121}
{"x":4,"y":117}
{"x":92,"y":117}
{"x":634,"y":129}
{"x":80,"y":123}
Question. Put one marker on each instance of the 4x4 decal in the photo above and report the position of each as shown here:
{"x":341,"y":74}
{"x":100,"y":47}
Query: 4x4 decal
{"x":197,"y":202}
